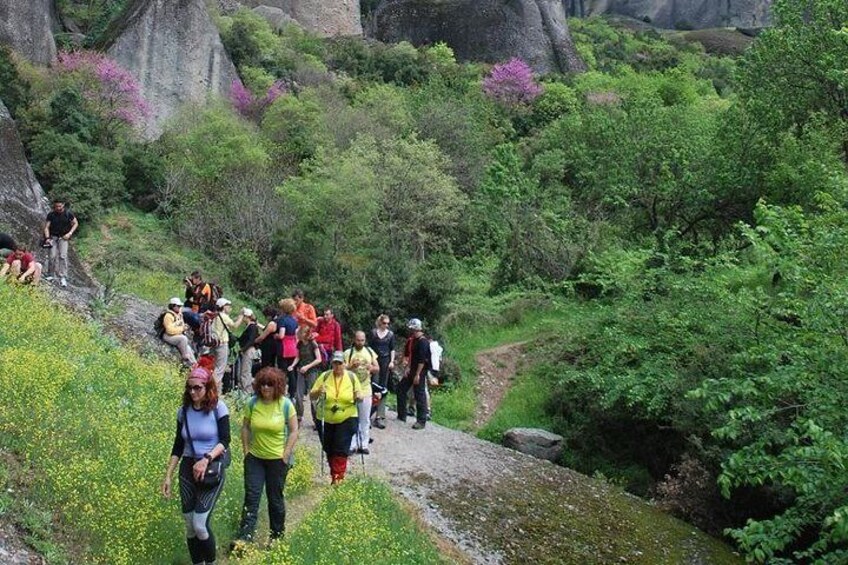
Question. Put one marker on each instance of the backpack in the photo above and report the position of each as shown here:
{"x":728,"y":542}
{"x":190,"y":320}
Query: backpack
{"x":207,"y":333}
{"x":159,"y":325}
{"x":215,"y":291}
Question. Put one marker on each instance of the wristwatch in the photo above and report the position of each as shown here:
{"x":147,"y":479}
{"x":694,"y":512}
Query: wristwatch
{"x":207,"y":456}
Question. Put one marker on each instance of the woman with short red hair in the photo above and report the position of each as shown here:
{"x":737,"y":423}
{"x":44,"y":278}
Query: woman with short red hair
{"x":268,"y":436}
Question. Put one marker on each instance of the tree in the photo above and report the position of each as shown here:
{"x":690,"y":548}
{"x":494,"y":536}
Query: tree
{"x":511,"y":84}
{"x":797,"y":68}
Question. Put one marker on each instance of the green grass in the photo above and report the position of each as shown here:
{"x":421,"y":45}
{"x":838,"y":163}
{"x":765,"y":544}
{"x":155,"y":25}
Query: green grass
{"x":136,"y":253}
{"x":524,"y":406}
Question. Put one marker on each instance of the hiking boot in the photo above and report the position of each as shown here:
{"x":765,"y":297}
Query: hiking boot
{"x":365,"y":451}
{"x":49,"y":278}
{"x":378,"y":423}
{"x":63,"y":282}
{"x":418,"y":426}
{"x":401,"y":419}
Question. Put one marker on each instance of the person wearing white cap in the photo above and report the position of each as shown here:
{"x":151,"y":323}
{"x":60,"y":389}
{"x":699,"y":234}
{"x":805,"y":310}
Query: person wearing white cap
{"x":222,"y":325}
{"x":417,"y":356}
{"x":173,"y":330}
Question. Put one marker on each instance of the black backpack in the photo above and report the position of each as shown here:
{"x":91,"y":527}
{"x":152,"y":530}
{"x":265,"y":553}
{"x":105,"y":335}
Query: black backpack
{"x":159,"y":325}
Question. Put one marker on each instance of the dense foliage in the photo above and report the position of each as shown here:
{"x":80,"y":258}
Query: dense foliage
{"x":698,"y":202}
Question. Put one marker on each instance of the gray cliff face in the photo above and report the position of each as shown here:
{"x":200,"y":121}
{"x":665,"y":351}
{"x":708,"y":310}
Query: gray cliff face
{"x":484,"y":30}
{"x":27,"y":27}
{"x":174,"y":50}
{"x":680,"y":14}
{"x":328,"y":18}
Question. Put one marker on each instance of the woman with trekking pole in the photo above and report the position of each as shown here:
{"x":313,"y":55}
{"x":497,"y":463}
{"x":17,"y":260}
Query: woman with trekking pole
{"x":268,"y":435}
{"x":337,"y":390}
{"x":201,"y":448}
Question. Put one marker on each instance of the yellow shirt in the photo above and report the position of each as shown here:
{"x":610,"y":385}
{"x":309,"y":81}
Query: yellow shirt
{"x":174,"y":324}
{"x":340,"y":392}
{"x":365,"y":356}
{"x":268,"y":426}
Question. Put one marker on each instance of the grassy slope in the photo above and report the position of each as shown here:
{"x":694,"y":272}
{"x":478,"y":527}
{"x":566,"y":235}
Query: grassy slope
{"x":135,"y":253}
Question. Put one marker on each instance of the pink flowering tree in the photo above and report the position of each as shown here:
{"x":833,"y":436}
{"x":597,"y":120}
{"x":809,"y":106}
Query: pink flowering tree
{"x":251,"y":106}
{"x":110,"y":91}
{"x":511,"y":84}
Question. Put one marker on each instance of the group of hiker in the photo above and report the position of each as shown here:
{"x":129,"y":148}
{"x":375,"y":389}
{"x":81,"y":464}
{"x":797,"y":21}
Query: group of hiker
{"x":21,"y":264}
{"x":293,"y":358}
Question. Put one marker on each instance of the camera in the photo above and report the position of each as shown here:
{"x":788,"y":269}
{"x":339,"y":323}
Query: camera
{"x":334,"y":408}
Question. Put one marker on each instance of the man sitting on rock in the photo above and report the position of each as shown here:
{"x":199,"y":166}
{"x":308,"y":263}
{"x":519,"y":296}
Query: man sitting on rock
{"x":22,"y":266}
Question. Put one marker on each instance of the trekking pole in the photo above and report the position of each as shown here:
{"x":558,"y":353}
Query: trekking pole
{"x":323,"y":403}
{"x":361,"y":449}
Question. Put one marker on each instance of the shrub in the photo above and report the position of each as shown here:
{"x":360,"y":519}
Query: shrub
{"x":511,"y":84}
{"x":14,"y":90}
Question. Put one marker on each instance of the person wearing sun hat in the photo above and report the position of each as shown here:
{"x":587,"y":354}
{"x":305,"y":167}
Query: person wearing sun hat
{"x":202,"y":436}
{"x":337,"y":392}
{"x":173,"y":331}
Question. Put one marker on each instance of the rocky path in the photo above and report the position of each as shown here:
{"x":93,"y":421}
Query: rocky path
{"x":500,"y":506}
{"x":13,"y":550}
{"x":497,"y":368}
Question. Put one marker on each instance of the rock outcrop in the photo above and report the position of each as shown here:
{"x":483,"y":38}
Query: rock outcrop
{"x":27,"y":27}
{"x":24,"y":203}
{"x":532,"y":441}
{"x":681,"y":14}
{"x":484,"y":30}
{"x":174,"y":50}
{"x":328,"y":18}
{"x":276,"y":17}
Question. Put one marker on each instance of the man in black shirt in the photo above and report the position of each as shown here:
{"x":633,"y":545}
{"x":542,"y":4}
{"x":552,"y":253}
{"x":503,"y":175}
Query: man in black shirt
{"x":418,"y":357}
{"x":59,"y":227}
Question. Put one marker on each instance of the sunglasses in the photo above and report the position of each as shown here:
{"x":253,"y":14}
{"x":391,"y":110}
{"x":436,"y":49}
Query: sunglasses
{"x":266,"y":385}
{"x":195,"y":388}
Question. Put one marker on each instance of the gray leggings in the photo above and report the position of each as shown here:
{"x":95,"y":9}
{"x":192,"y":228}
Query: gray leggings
{"x":197,"y":503}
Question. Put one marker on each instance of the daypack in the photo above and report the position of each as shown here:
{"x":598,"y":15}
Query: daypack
{"x":216,"y":292}
{"x":286,"y":411}
{"x":207,"y":333}
{"x":159,"y":325}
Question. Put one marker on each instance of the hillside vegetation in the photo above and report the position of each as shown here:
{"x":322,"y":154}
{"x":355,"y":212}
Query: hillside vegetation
{"x":684,"y":213}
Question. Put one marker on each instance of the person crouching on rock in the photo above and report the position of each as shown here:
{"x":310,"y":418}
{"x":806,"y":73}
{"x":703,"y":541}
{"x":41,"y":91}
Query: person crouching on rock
{"x":22,"y":266}
{"x":200,"y":446}
{"x":173,"y":331}
{"x":337,"y":390}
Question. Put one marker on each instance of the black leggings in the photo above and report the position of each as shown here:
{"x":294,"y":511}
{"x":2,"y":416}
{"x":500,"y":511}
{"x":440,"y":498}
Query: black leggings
{"x":336,"y":438}
{"x":197,"y":503}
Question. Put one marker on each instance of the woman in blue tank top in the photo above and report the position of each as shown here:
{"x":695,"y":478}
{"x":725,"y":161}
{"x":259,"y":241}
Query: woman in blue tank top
{"x":203,"y":435}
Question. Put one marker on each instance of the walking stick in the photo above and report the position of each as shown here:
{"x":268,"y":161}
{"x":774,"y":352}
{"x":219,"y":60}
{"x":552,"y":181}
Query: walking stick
{"x":323,"y":403}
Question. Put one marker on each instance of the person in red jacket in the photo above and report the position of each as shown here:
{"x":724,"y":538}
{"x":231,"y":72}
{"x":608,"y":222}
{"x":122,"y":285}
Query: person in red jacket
{"x":22,"y":266}
{"x":329,"y":335}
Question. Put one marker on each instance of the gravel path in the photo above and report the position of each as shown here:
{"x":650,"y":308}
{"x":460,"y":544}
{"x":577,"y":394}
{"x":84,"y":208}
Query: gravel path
{"x":500,"y":506}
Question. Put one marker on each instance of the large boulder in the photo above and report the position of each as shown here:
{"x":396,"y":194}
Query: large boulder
{"x":484,"y":30}
{"x":174,"y":50}
{"x":27,"y":27}
{"x":532,"y":441}
{"x":328,"y":18}
{"x":681,"y":14}
{"x":275,"y":17}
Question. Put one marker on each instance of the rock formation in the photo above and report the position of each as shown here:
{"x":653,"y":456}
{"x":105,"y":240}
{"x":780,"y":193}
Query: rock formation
{"x":532,"y":441}
{"x":276,"y":17}
{"x":174,"y":50}
{"x":27,"y":27}
{"x":484,"y":30}
{"x":327,"y":18}
{"x":681,"y":14}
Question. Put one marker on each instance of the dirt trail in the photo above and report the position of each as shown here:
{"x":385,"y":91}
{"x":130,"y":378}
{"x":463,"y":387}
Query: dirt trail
{"x":500,"y":506}
{"x":497,"y":368}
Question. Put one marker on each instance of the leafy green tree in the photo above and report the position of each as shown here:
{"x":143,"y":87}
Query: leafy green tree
{"x":796,"y":68}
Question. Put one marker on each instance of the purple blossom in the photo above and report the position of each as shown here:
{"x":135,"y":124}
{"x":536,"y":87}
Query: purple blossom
{"x":251,"y":106}
{"x":511,"y":84}
{"x":111,"y":89}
